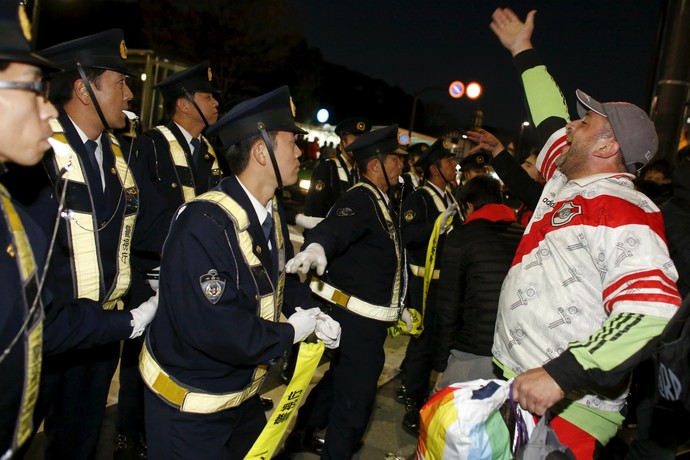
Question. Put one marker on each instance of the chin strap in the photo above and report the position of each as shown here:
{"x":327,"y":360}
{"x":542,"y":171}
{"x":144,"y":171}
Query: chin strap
{"x":82,"y":74}
{"x":190,"y":96}
{"x":272,"y":156}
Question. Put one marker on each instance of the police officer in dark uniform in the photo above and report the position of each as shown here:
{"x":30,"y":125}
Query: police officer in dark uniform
{"x":222,"y":287}
{"x":179,"y":163}
{"x":90,"y":263}
{"x":333,"y":177}
{"x":414,"y":176}
{"x":474,"y":165}
{"x":420,"y":211}
{"x":360,"y":242}
{"x":69,"y":322}
{"x":176,"y":156}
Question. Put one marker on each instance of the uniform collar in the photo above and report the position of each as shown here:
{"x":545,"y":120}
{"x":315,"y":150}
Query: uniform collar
{"x":260,"y":210}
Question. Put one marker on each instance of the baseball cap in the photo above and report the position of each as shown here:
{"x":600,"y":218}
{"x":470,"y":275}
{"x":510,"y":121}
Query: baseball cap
{"x":633,"y":129}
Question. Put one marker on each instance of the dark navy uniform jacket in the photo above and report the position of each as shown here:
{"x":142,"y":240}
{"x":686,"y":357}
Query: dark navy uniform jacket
{"x":360,"y":251}
{"x":215,"y":347}
{"x":419,"y":212}
{"x":77,"y":324}
{"x":149,"y":231}
{"x":157,"y":167}
{"x":326,"y":186}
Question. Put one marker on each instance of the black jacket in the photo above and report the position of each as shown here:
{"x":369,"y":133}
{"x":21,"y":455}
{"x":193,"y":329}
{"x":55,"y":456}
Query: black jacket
{"x":476,"y":258}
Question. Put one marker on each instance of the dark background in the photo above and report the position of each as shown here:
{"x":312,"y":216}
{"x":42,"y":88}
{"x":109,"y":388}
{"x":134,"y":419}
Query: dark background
{"x":370,"y":57}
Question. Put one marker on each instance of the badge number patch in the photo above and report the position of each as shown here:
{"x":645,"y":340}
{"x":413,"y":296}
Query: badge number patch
{"x":212,"y":286}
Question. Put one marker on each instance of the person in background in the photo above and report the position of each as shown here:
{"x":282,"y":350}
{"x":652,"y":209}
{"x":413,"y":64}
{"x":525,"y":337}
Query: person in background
{"x":524,"y":214}
{"x":413,"y":176}
{"x":476,"y":258}
{"x":360,"y":243}
{"x":333,"y":177}
{"x":474,"y":164}
{"x":420,"y":211}
{"x":654,"y":180}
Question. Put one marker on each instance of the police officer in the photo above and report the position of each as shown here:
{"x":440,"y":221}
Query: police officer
{"x":360,"y":242}
{"x":222,"y":285}
{"x":25,"y":114}
{"x":414,"y":176}
{"x":102,"y":204}
{"x":179,"y":163}
{"x":474,"y":165}
{"x":420,"y":211}
{"x":333,"y":177}
{"x":176,"y":156}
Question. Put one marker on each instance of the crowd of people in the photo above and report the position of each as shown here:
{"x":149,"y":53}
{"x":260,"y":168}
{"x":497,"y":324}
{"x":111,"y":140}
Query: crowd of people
{"x":169,"y":254}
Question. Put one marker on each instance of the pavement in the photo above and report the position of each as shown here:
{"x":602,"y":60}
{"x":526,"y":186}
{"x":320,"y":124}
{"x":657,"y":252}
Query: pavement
{"x":384,"y":439}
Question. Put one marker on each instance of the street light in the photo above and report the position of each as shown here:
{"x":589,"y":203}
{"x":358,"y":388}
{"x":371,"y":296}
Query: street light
{"x":474,"y":90}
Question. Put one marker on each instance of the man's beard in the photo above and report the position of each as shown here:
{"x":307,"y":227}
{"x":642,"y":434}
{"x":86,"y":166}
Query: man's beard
{"x":570,"y":163}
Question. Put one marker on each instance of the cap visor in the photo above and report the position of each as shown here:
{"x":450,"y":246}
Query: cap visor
{"x":585,"y":103}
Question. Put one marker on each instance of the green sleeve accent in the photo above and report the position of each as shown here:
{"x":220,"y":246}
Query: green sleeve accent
{"x":544,"y":97}
{"x":601,"y":424}
{"x":620,"y":337}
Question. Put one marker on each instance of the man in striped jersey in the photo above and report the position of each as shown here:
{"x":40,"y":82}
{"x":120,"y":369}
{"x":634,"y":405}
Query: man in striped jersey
{"x":592,"y":281}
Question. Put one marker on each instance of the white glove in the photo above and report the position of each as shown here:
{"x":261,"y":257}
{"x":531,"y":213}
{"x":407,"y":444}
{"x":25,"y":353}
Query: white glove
{"x":407,"y":318}
{"x":447,"y":216}
{"x":143,"y":315}
{"x":152,"y":278}
{"x":327,"y":330}
{"x":313,"y":256}
{"x":307,"y":222}
{"x":304,"y":322}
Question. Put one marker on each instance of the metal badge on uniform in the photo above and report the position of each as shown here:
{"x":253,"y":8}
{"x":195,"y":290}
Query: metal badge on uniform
{"x":409,"y":215}
{"x":361,"y":126}
{"x":319,"y":185}
{"x":123,"y":50}
{"x":212,"y":286}
{"x":344,"y":212}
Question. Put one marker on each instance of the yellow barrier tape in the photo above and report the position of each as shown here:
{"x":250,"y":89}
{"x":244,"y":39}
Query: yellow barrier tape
{"x":417,"y":317}
{"x":307,"y":362}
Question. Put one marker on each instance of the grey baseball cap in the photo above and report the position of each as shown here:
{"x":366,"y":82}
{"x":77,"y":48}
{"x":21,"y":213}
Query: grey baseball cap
{"x":632,"y":127}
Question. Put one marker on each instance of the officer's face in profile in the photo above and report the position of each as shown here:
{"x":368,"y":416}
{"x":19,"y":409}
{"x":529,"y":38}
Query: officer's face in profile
{"x":287,"y":155}
{"x":394,"y":166}
{"x":208,"y":106}
{"x":446,"y":166}
{"x":347,"y":139}
{"x":24,"y":117}
{"x":113,"y":96}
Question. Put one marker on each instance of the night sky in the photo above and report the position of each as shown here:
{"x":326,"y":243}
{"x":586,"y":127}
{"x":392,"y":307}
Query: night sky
{"x":606,"y":48}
